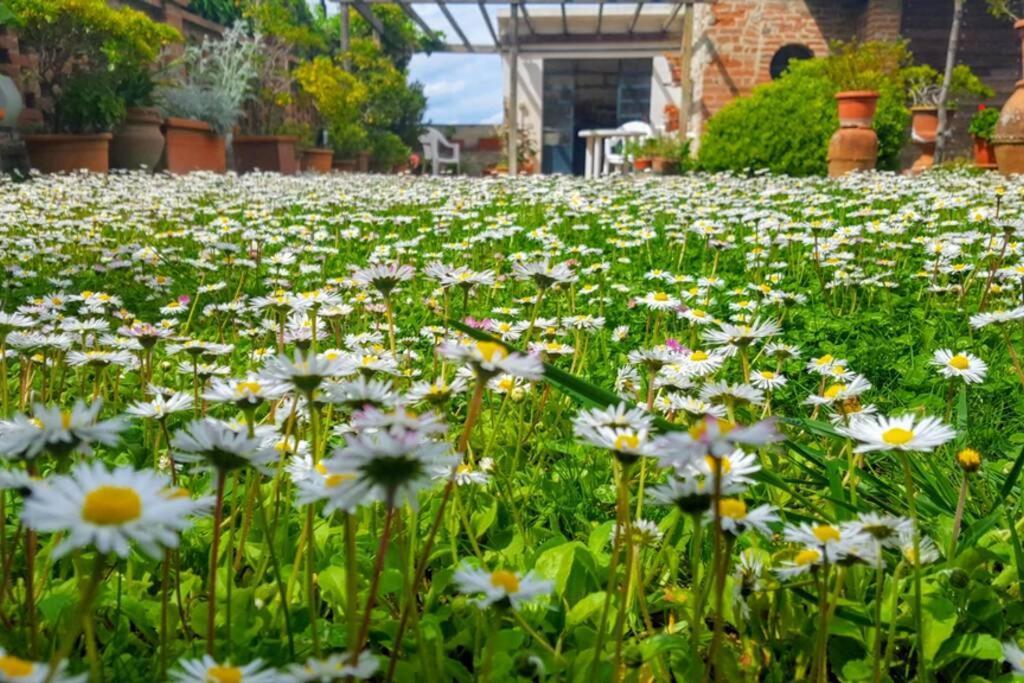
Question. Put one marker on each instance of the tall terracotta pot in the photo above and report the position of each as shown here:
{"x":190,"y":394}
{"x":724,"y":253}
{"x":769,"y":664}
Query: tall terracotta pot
{"x":984,"y":153}
{"x":64,"y":153}
{"x":924,"y":129}
{"x":193,"y":146}
{"x":266,"y":153}
{"x":854,"y":147}
{"x":139,"y":142}
{"x":1008,"y":139}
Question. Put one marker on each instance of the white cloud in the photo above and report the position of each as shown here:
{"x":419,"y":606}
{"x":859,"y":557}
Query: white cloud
{"x":443,"y":88}
{"x":460,"y":88}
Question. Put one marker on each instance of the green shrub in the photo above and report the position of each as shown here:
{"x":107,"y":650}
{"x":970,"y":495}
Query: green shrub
{"x":785,"y":125}
{"x":89,"y":104}
{"x":983,"y":122}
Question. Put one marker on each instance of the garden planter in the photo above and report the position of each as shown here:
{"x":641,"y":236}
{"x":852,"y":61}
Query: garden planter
{"x":363,"y":162}
{"x":316,"y":160}
{"x":924,"y":129}
{"x":642,"y":164}
{"x":139,"y":143}
{"x":671,"y":118}
{"x":346,"y":165}
{"x":64,"y":153}
{"x":663,"y":166}
{"x":852,"y":149}
{"x":193,"y":146}
{"x":265,"y":153}
{"x":856,"y":108}
{"x":984,"y":153}
{"x":1008,"y":138}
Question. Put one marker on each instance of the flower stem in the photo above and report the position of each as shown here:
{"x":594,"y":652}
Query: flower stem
{"x":922,"y":660}
{"x":85,"y":603}
{"x":378,"y":567}
{"x":211,"y":608}
{"x":958,"y":518}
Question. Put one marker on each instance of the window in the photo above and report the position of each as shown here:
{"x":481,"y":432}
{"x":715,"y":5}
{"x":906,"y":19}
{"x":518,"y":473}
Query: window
{"x":785,"y":55}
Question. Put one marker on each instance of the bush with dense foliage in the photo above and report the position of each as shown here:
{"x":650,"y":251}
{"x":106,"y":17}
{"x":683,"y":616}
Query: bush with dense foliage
{"x":339,"y":97}
{"x":84,"y":39}
{"x":983,"y":122}
{"x":785,"y":125}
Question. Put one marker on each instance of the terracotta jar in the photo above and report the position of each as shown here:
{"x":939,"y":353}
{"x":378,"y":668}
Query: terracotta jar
{"x":266,"y":153}
{"x":856,"y":108}
{"x":316,"y":160}
{"x":924,"y":129}
{"x":852,"y":149}
{"x":984,"y":153}
{"x":345,"y":165}
{"x":1008,"y":138}
{"x":59,"y":153}
{"x":642,"y":164}
{"x":193,"y":146}
{"x":139,"y":142}
{"x":663,"y":165}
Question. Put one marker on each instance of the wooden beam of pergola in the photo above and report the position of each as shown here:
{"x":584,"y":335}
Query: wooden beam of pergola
{"x":488,"y":22}
{"x":600,"y":16}
{"x":526,"y":18}
{"x":565,"y":22}
{"x":672,"y":17}
{"x":455,"y":25}
{"x":415,"y":16}
{"x":371,"y":19}
{"x":636,"y":16}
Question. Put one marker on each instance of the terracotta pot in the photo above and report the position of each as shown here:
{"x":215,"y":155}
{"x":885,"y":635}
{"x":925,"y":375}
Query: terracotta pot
{"x":664,"y":166}
{"x":852,"y":149}
{"x":924,"y":129}
{"x":265,"y":153}
{"x":856,"y":108}
{"x":671,"y":118}
{"x":316,"y":160}
{"x":363,"y":162}
{"x":139,"y":143}
{"x":346,"y":165}
{"x":984,"y":153}
{"x":193,"y":146}
{"x":64,"y":153}
{"x":642,"y":164}
{"x":1008,"y":138}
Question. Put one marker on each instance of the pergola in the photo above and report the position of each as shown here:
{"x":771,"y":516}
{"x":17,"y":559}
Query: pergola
{"x":516,"y":42}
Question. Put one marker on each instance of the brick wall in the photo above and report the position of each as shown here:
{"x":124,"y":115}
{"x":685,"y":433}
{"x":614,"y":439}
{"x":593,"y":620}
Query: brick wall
{"x":743,"y":35}
{"x":881,"y":20}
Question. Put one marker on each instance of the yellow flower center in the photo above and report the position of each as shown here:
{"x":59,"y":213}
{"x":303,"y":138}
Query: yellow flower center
{"x":834,"y":390}
{"x":715,"y":463}
{"x":897,"y":436}
{"x":334,"y":480}
{"x":12,"y":667}
{"x":491,"y":351}
{"x":505,"y":580}
{"x":698,"y":356}
{"x":224,"y":674}
{"x":697,"y":313}
{"x":661,"y":296}
{"x":767,"y":374}
{"x":626,"y":442}
{"x":110,"y":505}
{"x":65,"y":419}
{"x":824,"y":360}
{"x":733,"y":508}
{"x":806,"y":557}
{"x":826,"y":533}
{"x":464,"y":468}
{"x":960,"y":362}
{"x":244,"y":388}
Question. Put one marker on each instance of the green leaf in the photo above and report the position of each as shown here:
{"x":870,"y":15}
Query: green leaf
{"x":970,"y":646}
{"x":938,"y":616}
{"x":572,"y":568}
{"x":587,"y":608}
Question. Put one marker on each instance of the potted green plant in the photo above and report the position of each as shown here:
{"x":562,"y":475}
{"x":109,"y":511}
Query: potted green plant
{"x":77,"y":46}
{"x":338,"y":97}
{"x":641,"y":151}
{"x":924,"y":85}
{"x":263,"y":144}
{"x":139,"y":141}
{"x":670,"y":153}
{"x":982,"y":127}
{"x":205,"y":104}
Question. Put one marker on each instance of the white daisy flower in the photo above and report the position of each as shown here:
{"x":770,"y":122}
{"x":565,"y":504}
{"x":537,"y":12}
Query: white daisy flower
{"x":901,"y":433}
{"x":1014,"y":656}
{"x":966,"y":366}
{"x":502,"y":586}
{"x":736,"y":517}
{"x":491,"y":358}
{"x":110,"y":509}
{"x":14,"y":669}
{"x":56,"y":431}
{"x":207,"y":670}
{"x":221,"y":445}
{"x":336,"y":668}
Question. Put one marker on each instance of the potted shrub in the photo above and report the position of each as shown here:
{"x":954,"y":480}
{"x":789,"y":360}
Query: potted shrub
{"x":670,"y":153}
{"x":641,"y":151}
{"x":982,"y":127}
{"x":924,"y":87}
{"x":265,"y":144}
{"x":205,"y":105}
{"x":77,"y":46}
{"x":311,"y":158}
{"x":338,"y":97}
{"x":139,"y":141}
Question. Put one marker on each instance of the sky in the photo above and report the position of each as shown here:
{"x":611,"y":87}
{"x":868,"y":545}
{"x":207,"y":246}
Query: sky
{"x":460,"y":88}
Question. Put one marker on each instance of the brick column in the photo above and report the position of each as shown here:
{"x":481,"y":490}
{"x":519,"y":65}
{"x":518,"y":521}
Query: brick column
{"x":882,"y":19}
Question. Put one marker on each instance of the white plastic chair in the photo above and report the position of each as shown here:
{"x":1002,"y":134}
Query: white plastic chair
{"x":437,"y":150}
{"x":613,"y":159}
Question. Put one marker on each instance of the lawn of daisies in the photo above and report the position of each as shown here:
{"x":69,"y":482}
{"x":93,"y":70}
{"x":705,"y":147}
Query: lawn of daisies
{"x":390,"y":428}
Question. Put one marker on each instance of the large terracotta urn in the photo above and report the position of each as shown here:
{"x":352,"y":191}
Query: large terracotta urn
{"x":1008,"y":139}
{"x":139,"y":142}
{"x":854,"y":147}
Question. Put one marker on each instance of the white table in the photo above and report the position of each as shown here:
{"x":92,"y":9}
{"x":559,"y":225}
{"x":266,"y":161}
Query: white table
{"x":595,"y":146}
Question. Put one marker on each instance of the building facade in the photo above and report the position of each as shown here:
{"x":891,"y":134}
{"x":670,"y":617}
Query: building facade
{"x":631,"y":72}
